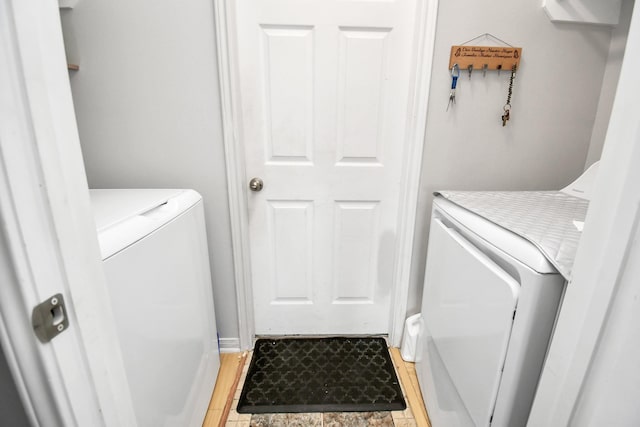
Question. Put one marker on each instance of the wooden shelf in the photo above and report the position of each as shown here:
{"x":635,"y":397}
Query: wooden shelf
{"x":73,"y":67}
{"x":583,"y":11}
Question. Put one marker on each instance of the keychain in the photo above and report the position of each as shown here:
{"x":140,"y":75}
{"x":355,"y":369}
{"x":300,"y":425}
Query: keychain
{"x":455,"y":73}
{"x":507,"y":106}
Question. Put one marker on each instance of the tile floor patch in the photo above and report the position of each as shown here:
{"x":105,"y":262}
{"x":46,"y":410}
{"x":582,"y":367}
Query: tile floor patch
{"x":286,"y":420}
{"x":358,"y":419}
{"x":328,"y":419}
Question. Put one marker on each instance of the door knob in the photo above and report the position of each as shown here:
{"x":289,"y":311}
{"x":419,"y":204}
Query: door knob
{"x":256,"y":184}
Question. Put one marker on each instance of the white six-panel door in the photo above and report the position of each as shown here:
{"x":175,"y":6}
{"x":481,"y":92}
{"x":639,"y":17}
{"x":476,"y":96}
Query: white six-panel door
{"x":324,"y":96}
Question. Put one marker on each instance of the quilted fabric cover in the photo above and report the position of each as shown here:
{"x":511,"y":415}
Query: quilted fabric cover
{"x":545,"y":218}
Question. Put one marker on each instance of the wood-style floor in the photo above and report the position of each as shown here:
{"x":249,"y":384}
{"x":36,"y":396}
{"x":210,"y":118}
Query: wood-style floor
{"x":233,"y":369}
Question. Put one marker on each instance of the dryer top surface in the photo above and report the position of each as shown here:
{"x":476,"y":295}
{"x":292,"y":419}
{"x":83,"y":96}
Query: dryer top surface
{"x":542,"y":229}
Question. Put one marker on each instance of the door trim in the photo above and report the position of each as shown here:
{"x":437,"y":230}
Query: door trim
{"x":48,"y":233}
{"x":424,"y":38}
{"x":234,"y":162}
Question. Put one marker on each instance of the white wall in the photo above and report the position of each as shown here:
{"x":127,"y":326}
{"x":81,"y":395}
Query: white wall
{"x":147,"y":104}
{"x":554,"y":105}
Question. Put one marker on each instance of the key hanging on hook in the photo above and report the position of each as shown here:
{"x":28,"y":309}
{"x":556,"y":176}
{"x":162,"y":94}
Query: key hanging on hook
{"x":507,"y":106}
{"x":455,"y":73}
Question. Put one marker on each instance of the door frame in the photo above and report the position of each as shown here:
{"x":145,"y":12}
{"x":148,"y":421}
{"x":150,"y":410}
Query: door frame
{"x":424,"y":39}
{"x":600,"y":270}
{"x":47,"y":233}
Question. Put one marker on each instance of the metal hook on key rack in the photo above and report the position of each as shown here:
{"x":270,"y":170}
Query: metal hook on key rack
{"x":455,"y":73}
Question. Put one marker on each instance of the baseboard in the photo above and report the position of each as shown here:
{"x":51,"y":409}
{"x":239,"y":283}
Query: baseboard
{"x":229,"y":345}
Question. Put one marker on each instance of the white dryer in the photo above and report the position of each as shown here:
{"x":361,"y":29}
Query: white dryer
{"x":155,"y":256}
{"x":489,"y":305}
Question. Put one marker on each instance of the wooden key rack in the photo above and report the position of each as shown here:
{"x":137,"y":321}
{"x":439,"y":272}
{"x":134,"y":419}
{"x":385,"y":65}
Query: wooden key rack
{"x":485,"y":57}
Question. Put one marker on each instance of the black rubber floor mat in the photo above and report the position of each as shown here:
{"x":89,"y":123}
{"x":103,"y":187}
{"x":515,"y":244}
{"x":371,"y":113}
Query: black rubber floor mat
{"x":320,"y":375}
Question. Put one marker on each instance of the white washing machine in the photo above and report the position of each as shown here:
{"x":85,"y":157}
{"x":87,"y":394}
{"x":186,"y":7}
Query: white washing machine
{"x":489,"y":305}
{"x":156,"y":261}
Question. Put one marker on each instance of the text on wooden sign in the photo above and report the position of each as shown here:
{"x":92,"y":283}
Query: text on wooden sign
{"x":493,"y":57}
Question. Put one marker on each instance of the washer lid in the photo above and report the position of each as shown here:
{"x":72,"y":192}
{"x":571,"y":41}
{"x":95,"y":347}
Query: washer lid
{"x":124,"y":216}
